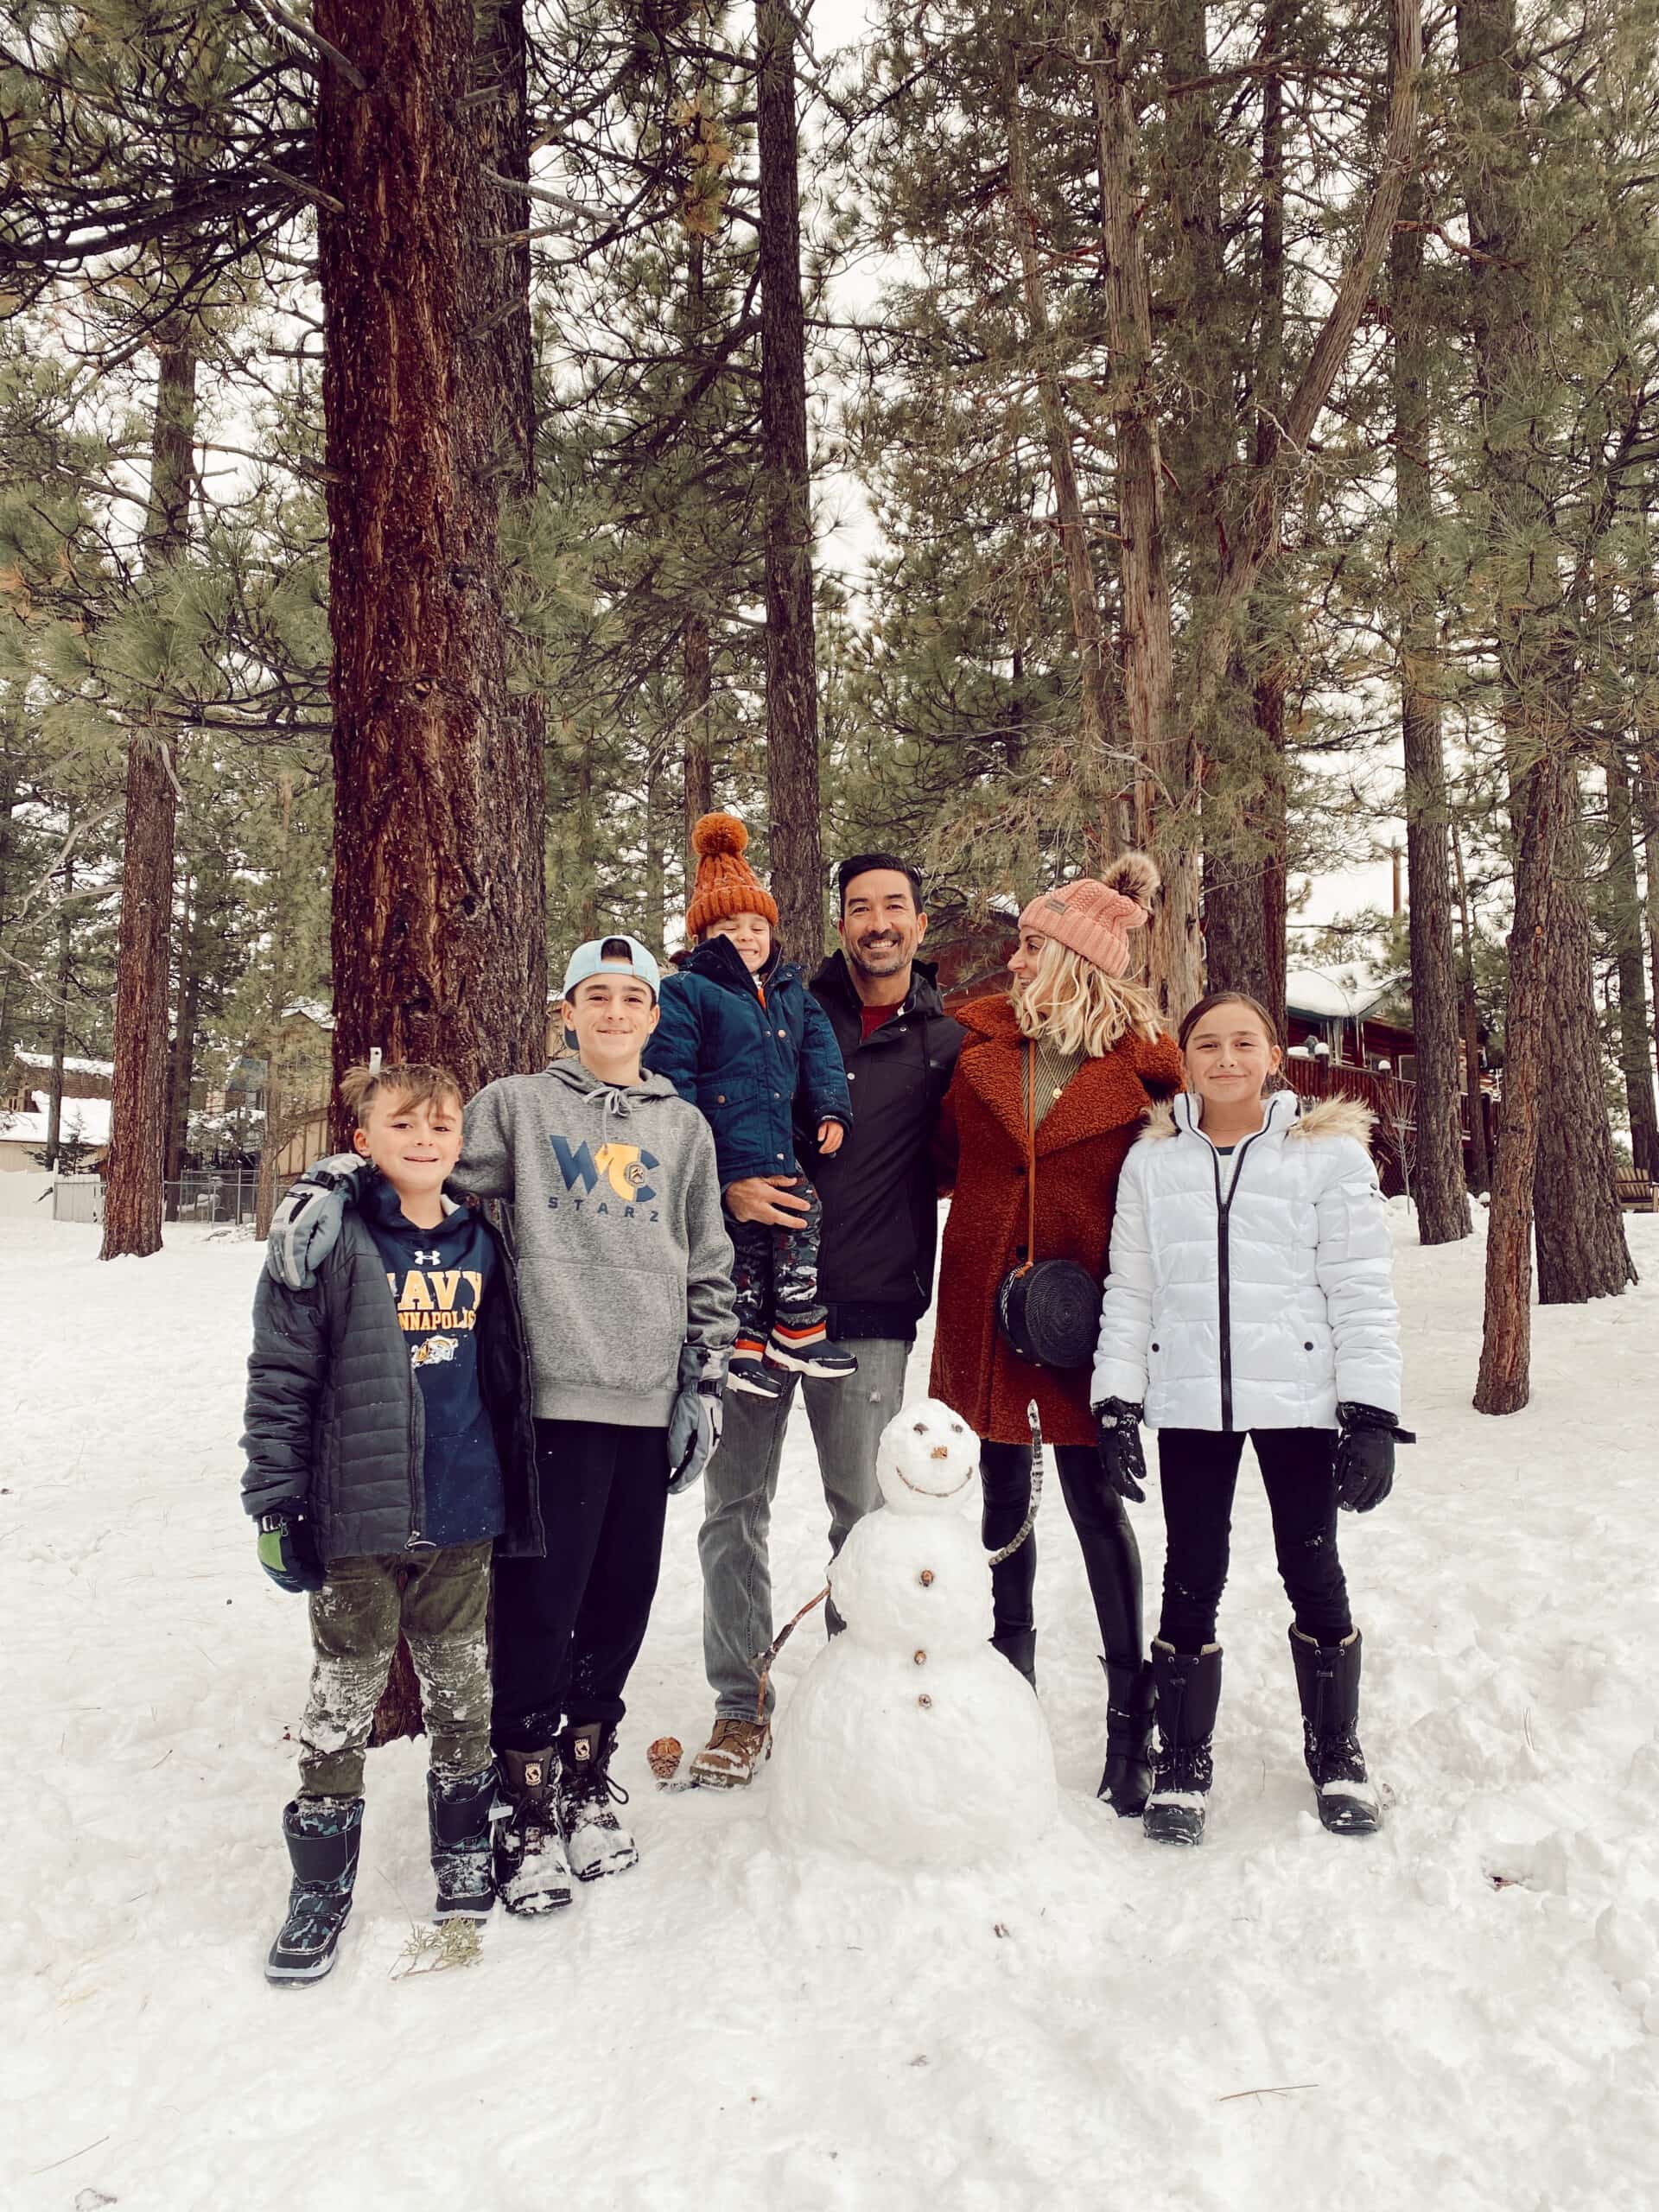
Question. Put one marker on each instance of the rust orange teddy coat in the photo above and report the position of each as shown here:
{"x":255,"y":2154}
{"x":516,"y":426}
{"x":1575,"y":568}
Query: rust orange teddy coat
{"x":1082,"y":1143}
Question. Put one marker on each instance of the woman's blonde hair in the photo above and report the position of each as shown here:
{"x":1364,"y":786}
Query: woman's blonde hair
{"x":1079,"y":1006}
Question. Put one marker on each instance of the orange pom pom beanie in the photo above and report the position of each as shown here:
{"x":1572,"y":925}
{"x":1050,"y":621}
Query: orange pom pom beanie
{"x":727,"y":884}
{"x":1093,"y":918}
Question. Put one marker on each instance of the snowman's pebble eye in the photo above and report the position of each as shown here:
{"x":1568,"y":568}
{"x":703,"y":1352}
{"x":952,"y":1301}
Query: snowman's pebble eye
{"x":919,"y":1428}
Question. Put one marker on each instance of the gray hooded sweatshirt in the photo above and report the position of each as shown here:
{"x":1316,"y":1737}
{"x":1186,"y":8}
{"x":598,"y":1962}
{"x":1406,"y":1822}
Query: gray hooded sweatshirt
{"x":622,"y":1251}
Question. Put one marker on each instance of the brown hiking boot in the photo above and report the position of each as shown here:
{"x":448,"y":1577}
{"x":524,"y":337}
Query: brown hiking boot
{"x":729,"y":1758}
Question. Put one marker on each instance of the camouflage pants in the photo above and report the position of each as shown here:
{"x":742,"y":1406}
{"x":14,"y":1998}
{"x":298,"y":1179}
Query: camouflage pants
{"x":355,"y":1620}
{"x":775,"y":1275}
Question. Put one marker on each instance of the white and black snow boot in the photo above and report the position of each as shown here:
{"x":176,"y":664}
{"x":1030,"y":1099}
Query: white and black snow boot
{"x":531,"y":1871}
{"x":1126,"y":1780}
{"x":596,"y":1839}
{"x":1187,"y":1689}
{"x":322,"y":1835}
{"x":750,"y":1377}
{"x":1327,"y":1683}
{"x":458,"y":1813}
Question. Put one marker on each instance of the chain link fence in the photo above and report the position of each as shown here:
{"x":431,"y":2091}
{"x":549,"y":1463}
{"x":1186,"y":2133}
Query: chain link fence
{"x":223,"y":1201}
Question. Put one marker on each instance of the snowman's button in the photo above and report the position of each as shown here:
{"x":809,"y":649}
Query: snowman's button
{"x":926,"y":1578}
{"x":924,"y":1701}
{"x":921,"y":1658}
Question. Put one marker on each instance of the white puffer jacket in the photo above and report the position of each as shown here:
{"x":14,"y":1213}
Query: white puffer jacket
{"x":1250,"y":1291}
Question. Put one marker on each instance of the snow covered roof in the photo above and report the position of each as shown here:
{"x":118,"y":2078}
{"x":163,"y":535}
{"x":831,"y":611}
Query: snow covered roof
{"x":85,"y":1121}
{"x":70,"y":1067}
{"x":1333,"y":992}
{"x":312,"y":1009}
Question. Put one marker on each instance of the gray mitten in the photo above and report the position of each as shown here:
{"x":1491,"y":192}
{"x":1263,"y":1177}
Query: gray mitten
{"x":695,"y":1424}
{"x":306,"y":1225}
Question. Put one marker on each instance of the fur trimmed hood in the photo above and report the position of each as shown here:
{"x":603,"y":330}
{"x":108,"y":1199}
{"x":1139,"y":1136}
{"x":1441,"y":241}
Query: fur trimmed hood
{"x":1304,"y":1119}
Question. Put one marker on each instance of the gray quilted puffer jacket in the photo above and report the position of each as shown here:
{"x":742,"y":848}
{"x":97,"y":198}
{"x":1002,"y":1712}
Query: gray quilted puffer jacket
{"x":335,"y":1416}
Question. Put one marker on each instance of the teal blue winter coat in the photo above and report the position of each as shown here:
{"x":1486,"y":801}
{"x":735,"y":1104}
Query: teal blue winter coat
{"x":754,"y":1070}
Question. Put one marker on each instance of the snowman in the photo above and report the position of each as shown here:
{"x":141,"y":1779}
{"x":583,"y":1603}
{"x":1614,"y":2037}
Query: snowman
{"x":910,"y":1739}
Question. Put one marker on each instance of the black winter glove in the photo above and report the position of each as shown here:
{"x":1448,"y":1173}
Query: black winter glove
{"x":1365,"y":1456}
{"x":1118,"y":1425}
{"x":287,"y":1551}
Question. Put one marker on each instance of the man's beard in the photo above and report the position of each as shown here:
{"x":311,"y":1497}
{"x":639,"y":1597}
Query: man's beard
{"x":879,"y":960}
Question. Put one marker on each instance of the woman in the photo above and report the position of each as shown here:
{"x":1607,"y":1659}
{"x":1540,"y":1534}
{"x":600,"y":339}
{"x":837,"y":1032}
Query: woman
{"x":1250,"y":1294}
{"x":1077,"y":1049}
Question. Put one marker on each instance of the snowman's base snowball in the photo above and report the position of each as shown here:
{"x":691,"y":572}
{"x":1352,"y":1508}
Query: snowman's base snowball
{"x":943,"y":1765}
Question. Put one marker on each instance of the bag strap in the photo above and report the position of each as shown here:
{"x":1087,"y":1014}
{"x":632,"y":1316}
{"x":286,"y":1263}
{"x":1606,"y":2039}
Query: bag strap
{"x":1030,"y":1158}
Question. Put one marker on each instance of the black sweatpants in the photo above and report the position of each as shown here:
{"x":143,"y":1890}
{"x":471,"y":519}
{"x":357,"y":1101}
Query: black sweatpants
{"x":568,"y":1627}
{"x":1111,"y":1557}
{"x":1198,"y":1469}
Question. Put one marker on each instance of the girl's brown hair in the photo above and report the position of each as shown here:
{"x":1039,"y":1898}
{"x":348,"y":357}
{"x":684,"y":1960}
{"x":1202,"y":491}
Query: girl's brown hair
{"x":1195,"y":1014}
{"x":420,"y":1083}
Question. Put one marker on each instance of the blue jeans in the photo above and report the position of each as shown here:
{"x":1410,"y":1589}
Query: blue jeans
{"x":847,"y":1419}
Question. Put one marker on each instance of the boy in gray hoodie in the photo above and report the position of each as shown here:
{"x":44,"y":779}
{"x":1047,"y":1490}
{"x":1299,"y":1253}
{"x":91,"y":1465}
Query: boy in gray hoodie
{"x":625,"y":1274}
{"x":624,"y":1270}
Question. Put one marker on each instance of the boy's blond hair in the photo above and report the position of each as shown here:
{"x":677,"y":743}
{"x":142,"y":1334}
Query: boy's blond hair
{"x":1083,"y":1008}
{"x":417,"y":1083}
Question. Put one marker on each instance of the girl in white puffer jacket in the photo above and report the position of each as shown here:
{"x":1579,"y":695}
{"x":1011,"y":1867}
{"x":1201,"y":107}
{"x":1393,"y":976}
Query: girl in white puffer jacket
{"x":1249,"y":1294}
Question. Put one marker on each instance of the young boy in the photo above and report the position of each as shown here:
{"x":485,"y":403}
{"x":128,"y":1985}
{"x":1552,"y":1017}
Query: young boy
{"x":626,"y":1273}
{"x":742,"y":1039}
{"x":388,"y":1439}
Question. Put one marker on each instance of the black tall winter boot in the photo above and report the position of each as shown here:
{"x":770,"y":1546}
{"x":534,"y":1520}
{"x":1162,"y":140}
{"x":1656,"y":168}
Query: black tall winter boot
{"x":1187,"y":1687}
{"x":458,"y":1820}
{"x":531,"y":1871}
{"x":1017,"y":1644}
{"x":1327,"y":1683}
{"x":322,"y":1835}
{"x":1129,"y":1700}
{"x":598,"y":1842}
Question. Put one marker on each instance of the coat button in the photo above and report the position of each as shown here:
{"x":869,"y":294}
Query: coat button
{"x":851,"y":1075}
{"x":1308,"y":1347}
{"x":1155,"y":1347}
{"x":783,"y":1033}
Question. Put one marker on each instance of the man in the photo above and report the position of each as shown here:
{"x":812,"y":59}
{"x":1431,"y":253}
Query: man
{"x":875,"y":1276}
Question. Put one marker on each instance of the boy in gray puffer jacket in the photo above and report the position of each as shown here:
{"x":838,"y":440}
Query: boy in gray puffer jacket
{"x":389,"y":1446}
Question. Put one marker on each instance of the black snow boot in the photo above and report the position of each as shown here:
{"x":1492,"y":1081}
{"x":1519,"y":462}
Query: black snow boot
{"x":1129,"y":1699}
{"x":597,"y":1842}
{"x":1187,"y":1687}
{"x":458,"y":1819}
{"x":531,"y":1871}
{"x":322,"y":1835}
{"x":1327,"y":1683}
{"x":1018,"y":1646}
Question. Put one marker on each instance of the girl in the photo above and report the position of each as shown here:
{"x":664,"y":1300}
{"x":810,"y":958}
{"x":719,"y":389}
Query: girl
{"x":1077,"y":1051}
{"x":1250,"y":1294}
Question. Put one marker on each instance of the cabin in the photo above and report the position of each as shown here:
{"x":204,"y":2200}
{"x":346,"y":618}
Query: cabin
{"x":26,"y":1110}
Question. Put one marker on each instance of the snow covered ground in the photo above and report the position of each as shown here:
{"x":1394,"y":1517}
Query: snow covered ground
{"x":1461,"y":2013}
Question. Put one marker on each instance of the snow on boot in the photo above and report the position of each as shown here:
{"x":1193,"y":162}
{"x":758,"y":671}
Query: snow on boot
{"x":597,"y":1842}
{"x":1187,"y":1690}
{"x":1019,"y":1646}
{"x":458,"y":1820}
{"x":322,"y":1835}
{"x":1127,"y":1780}
{"x":729,"y":1758}
{"x":1327,"y":1681}
{"x":531,"y":1871}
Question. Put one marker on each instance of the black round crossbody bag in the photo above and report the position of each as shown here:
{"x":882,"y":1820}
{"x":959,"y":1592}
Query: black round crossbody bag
{"x":1048,"y":1311}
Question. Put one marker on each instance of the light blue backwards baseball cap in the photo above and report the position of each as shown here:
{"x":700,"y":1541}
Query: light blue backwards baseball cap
{"x":615,"y":955}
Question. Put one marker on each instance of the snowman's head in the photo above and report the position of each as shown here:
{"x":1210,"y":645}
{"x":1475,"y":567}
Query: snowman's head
{"x":927,"y":1458}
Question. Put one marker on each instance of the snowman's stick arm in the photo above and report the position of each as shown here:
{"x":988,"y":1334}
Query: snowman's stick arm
{"x":1034,"y":1420}
{"x":762,"y":1660}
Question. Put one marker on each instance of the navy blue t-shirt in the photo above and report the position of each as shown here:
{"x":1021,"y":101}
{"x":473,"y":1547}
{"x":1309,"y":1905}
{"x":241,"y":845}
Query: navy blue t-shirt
{"x":440,"y":1279}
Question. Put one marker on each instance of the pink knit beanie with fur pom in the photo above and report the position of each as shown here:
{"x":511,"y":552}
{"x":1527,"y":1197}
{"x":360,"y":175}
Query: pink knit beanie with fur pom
{"x":1093,"y":919}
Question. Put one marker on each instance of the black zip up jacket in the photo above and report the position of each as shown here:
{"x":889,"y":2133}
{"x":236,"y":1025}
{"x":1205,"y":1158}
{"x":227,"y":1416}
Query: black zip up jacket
{"x":880,"y":1212}
{"x":335,"y":1415}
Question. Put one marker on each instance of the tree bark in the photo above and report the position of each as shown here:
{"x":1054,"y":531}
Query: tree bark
{"x":132,"y":1186}
{"x":181,"y":1066}
{"x":436,"y":907}
{"x":60,"y":1021}
{"x":1578,"y":1224}
{"x":1101,"y":774}
{"x":1439,"y":1189}
{"x":791,"y":662}
{"x":1635,"y":1036}
{"x":697,"y":692}
{"x":1480,"y":1164}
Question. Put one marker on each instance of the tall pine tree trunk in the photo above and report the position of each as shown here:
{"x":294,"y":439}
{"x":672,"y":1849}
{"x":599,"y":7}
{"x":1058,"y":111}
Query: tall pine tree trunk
{"x":181,"y":1062}
{"x":1635,"y":1036}
{"x":1439,"y":1185}
{"x":60,"y":1045}
{"x":1480,"y":1162}
{"x":791,"y":662}
{"x":436,"y":904}
{"x":132,"y":1188}
{"x":1578,"y":1224}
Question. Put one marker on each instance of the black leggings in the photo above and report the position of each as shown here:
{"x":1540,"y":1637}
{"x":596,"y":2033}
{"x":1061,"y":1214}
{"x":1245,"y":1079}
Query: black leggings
{"x":1198,"y":1469}
{"x":1111,"y":1557}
